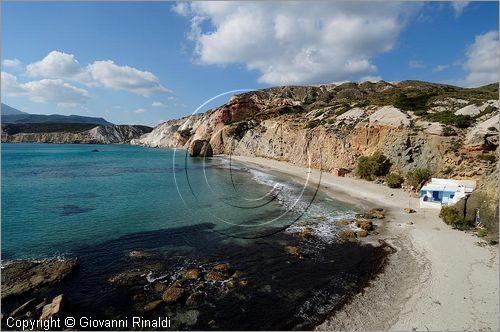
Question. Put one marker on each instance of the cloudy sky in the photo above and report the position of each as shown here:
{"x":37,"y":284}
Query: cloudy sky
{"x":143,"y":63}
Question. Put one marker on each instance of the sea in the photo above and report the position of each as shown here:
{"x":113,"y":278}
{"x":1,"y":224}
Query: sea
{"x":99,"y":203}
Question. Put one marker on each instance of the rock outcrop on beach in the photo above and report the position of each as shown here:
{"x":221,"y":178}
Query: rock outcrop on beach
{"x":22,"y":277}
{"x":112,"y":134}
{"x":449,"y":130}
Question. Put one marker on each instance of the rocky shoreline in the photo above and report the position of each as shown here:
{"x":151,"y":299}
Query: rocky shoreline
{"x":31,"y":288}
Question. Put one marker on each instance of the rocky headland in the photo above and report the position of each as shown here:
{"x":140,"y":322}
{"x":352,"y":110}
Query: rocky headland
{"x":66,"y":134}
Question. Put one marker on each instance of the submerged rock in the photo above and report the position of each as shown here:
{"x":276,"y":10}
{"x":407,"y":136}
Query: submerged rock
{"x":21,"y":277}
{"x":192,"y":299}
{"x":138,"y":254}
{"x":293,"y":250}
{"x":307,"y":234}
{"x":129,"y":278}
{"x":173,"y":294}
{"x":152,"y":305}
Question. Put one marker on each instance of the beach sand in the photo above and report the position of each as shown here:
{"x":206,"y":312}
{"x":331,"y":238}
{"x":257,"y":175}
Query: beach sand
{"x":438,"y":278}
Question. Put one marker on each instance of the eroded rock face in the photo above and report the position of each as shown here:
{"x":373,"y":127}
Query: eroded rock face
{"x":54,"y":308}
{"x":22,"y":277}
{"x":200,"y":148}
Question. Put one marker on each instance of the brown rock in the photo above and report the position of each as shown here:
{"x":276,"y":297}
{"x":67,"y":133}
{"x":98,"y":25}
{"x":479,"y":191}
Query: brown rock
{"x":215,"y":276}
{"x":366,"y":225}
{"x":21,"y":277}
{"x":409,"y":210}
{"x":377,"y":213}
{"x":191,"y":274}
{"x":152,"y":305}
{"x":361,"y":233}
{"x":236,"y":274}
{"x":293,"y":250}
{"x":243,"y":282}
{"x":54,"y":308}
{"x":230,"y":284}
{"x":160,"y":287}
{"x":342,"y":222}
{"x":200,"y":148}
{"x":307,"y":234}
{"x":192,"y":299}
{"x":129,"y":278}
{"x":173,"y":294}
{"x":347,"y":235}
{"x":224,"y":267}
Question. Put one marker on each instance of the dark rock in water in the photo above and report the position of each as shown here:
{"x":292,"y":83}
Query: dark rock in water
{"x":295,"y":251}
{"x":192,"y":299}
{"x":364,"y":224}
{"x":24,"y":308}
{"x":21,"y":277}
{"x":95,"y":150}
{"x":173,"y":294}
{"x":307,"y":234}
{"x":152,"y":305}
{"x":138,"y":254}
{"x":191,"y":274}
{"x":70,"y":209}
{"x":200,"y":148}
{"x":223,"y":268}
{"x":54,"y":308}
{"x":129,"y":278}
{"x":215,"y":276}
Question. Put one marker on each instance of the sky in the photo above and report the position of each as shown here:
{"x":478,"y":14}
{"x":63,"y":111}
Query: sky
{"x":147,"y":62}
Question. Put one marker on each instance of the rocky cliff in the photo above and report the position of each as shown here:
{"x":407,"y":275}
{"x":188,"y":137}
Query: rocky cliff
{"x":452,"y":131}
{"x":113,"y":134}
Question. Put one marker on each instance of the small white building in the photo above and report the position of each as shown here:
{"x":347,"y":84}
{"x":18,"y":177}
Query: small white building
{"x":439,"y":192}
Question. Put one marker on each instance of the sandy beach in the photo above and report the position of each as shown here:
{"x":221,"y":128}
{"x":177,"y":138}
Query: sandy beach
{"x":438,"y":278}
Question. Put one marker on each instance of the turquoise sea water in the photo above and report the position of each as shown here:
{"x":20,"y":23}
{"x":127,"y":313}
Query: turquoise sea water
{"x":56,"y":198}
{"x":67,"y":200}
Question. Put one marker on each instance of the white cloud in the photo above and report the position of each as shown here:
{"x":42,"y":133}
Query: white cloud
{"x":415,"y":64}
{"x":116,"y":77}
{"x":45,"y":90}
{"x":296,"y":42}
{"x":157,"y":104}
{"x":58,"y":65}
{"x":440,"y":67}
{"x":482,"y":60}
{"x":459,"y":6}
{"x":99,"y":73}
{"x":11,"y":63}
{"x":10,"y":86}
{"x":140,"y":110}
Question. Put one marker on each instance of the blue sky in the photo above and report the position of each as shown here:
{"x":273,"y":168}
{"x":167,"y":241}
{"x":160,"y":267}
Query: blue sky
{"x":141,"y":63}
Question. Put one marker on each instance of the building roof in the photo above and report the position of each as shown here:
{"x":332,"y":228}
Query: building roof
{"x":437,"y":184}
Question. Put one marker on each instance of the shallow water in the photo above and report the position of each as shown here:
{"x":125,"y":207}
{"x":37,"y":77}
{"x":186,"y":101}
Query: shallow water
{"x":185,"y":212}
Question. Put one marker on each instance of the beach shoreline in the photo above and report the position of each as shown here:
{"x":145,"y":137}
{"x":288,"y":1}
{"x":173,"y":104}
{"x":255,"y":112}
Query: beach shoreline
{"x":438,"y":278}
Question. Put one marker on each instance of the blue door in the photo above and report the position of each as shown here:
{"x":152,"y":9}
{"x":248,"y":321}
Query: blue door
{"x":435,"y":196}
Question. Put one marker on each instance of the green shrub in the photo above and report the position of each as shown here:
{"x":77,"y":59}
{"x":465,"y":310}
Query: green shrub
{"x":394,"y":180}
{"x":451,"y":216}
{"x":311,"y":124}
{"x":415,"y":103}
{"x":418,"y":177}
{"x":482,"y":232}
{"x":373,"y":166}
{"x":487,"y":157}
{"x":449,"y":118}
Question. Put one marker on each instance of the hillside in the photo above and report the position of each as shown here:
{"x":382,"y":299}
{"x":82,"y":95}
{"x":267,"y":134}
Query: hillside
{"x":12,"y":115}
{"x":449,"y":130}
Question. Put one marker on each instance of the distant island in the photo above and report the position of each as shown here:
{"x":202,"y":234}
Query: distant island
{"x":22,"y":127}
